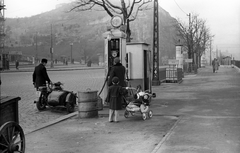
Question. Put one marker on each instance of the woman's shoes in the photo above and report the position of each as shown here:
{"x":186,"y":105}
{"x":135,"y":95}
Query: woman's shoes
{"x":114,"y":121}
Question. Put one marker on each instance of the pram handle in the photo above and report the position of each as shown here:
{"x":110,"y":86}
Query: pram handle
{"x":129,"y":88}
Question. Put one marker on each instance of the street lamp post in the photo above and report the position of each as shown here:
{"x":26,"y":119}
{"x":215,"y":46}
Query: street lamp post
{"x":51,"y":48}
{"x":71,"y":53}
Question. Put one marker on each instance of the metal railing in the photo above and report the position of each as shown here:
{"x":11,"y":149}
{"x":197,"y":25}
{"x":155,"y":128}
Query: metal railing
{"x":236,"y":63}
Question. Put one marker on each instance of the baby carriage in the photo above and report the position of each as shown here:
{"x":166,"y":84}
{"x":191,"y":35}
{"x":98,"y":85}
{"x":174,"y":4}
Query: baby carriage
{"x":139,"y":102}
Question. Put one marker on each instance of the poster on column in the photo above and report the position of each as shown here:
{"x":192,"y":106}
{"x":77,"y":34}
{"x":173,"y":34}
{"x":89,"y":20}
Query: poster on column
{"x":173,"y":62}
{"x":188,"y":60}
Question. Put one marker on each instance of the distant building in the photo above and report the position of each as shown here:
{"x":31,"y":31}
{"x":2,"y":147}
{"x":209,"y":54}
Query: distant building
{"x":226,"y":60}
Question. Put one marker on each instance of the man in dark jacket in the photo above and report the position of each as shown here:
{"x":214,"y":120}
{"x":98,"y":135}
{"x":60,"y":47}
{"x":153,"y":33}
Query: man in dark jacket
{"x":118,"y":70}
{"x":40,"y":75}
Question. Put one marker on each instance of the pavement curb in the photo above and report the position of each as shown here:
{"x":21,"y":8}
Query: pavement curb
{"x":58,"y":120}
{"x":44,"y":125}
{"x":60,"y":69}
{"x":155,"y":150}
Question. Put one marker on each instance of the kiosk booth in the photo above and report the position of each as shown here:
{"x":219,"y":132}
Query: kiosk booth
{"x":139,"y":65}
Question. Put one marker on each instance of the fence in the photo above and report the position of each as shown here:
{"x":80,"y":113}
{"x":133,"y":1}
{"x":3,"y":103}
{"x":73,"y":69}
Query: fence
{"x":170,"y":74}
{"x":236,"y":63}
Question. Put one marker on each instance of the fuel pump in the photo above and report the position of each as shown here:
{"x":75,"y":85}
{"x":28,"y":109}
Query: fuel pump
{"x":114,"y":46}
{"x":113,"y":51}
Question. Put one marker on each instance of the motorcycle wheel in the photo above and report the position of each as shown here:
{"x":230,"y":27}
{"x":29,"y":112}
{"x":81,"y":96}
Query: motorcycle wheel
{"x":41,"y":103}
{"x":70,"y":107}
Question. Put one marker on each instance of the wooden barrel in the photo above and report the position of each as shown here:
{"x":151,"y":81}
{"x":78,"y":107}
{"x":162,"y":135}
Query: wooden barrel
{"x":87,"y":104}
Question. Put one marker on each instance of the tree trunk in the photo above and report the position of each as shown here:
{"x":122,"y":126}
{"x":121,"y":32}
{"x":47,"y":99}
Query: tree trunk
{"x":128,"y":32}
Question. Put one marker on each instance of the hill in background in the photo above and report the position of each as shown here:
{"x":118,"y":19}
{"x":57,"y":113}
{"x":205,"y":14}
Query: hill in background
{"x":84,"y":30}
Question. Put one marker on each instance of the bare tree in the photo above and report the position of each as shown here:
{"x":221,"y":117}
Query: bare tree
{"x":196,"y":37}
{"x":127,"y":9}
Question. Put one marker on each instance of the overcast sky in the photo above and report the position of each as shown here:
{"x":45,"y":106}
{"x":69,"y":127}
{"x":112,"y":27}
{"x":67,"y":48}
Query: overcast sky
{"x":222,"y":16}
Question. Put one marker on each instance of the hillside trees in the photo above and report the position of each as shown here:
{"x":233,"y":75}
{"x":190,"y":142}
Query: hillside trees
{"x":127,"y":9}
{"x":196,"y":37}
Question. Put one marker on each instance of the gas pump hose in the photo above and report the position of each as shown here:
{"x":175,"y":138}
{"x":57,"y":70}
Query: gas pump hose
{"x":104,"y":82}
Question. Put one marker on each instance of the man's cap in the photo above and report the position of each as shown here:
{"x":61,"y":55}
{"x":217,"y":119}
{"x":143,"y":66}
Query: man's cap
{"x":115,"y":80}
{"x":44,"y":60}
{"x":116,"y":60}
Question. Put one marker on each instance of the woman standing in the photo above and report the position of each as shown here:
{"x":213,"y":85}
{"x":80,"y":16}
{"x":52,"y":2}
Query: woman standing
{"x":114,"y":98}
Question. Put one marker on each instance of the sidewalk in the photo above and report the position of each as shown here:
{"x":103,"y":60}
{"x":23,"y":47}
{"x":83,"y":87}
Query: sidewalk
{"x":209,"y":110}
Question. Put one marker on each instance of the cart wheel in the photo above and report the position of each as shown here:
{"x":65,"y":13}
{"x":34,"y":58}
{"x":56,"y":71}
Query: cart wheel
{"x":41,"y":103}
{"x":12,"y":138}
{"x":126,"y":114}
{"x":144,"y":116}
{"x":70,"y":107}
{"x":150,"y":114}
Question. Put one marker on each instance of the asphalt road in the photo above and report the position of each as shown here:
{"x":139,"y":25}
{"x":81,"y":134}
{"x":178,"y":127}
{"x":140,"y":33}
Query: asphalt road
{"x":20,"y":84}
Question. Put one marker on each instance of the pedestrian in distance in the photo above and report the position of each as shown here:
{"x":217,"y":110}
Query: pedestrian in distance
{"x":17,"y":64}
{"x":215,"y":65}
{"x":114,"y":98}
{"x":40,"y":76}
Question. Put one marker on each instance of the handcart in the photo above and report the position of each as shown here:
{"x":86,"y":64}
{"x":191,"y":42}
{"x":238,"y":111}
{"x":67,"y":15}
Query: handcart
{"x":12,"y":139}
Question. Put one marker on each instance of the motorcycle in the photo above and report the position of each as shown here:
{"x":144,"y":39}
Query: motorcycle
{"x":53,"y":95}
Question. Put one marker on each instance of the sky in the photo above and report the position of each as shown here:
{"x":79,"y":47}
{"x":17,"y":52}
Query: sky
{"x":26,"y":8}
{"x":222,"y":17}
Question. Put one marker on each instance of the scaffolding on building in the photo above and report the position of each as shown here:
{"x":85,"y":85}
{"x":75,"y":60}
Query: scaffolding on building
{"x":2,"y":35}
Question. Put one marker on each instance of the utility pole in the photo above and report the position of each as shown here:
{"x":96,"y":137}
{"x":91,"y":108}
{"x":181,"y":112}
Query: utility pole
{"x":190,"y":55}
{"x":190,"y":32}
{"x":210,"y":51}
{"x":51,"y":48}
{"x":155,"y":81}
{"x":71,"y":53}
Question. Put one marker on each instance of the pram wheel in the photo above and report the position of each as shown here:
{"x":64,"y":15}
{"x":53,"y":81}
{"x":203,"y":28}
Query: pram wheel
{"x":150,"y":114}
{"x":126,"y":114}
{"x":144,"y":116}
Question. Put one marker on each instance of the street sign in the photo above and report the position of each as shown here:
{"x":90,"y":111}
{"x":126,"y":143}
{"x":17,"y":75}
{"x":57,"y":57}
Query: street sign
{"x":188,"y":60}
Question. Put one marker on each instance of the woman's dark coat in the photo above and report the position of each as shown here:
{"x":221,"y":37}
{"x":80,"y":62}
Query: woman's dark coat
{"x":114,"y":97}
{"x":40,"y":76}
{"x":118,"y":70}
